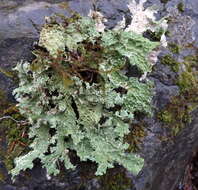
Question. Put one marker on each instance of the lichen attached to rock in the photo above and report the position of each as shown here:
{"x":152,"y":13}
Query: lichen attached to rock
{"x":77,"y":96}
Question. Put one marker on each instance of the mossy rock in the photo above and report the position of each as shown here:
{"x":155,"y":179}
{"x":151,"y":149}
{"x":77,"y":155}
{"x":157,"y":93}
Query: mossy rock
{"x":115,"y":179}
{"x":170,"y":61}
{"x":186,"y":80}
{"x":164,"y":1}
{"x":181,"y":7}
{"x":136,"y":136}
{"x":14,"y":136}
{"x":174,"y":48}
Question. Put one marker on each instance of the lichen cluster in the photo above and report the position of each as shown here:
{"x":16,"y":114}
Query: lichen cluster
{"x":77,"y":95}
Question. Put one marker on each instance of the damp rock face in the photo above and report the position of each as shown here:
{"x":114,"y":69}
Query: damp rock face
{"x":168,"y":138}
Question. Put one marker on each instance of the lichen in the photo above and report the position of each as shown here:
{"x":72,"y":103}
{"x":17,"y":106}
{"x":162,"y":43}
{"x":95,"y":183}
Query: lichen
{"x":77,"y":96}
{"x":144,"y":19}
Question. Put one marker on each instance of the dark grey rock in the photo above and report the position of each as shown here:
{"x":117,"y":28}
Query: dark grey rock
{"x":21,"y":22}
{"x":81,"y":6}
{"x":114,"y":11}
{"x":163,"y":94}
{"x":23,"y":188}
{"x":11,"y":51}
{"x":9,"y":187}
{"x":164,"y":74}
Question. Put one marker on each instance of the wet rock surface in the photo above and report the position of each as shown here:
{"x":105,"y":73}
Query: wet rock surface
{"x":20,"y":22}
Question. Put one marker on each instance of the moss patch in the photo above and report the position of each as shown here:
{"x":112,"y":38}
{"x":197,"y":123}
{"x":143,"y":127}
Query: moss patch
{"x":186,"y":81}
{"x":135,"y":137}
{"x":191,"y":62}
{"x":2,"y":176}
{"x":14,"y":139}
{"x":6,"y":73}
{"x":154,"y":35}
{"x":170,"y":61}
{"x":181,"y":7}
{"x":164,"y":1}
{"x":174,"y":48}
{"x":65,"y":6}
{"x":115,"y":179}
{"x":4,"y":104}
{"x":177,"y":113}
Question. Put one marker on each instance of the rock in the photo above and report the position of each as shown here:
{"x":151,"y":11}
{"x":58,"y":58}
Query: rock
{"x":9,"y":187}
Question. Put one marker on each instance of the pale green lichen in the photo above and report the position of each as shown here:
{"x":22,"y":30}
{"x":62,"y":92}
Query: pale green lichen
{"x":77,"y":97}
{"x":52,"y":38}
{"x":143,"y":19}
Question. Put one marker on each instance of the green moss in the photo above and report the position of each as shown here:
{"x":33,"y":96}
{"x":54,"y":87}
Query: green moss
{"x":3,"y":101}
{"x":186,"y":81}
{"x":65,"y":6}
{"x":177,"y":113}
{"x":135,"y":137}
{"x":181,"y":7}
{"x":9,"y":74}
{"x":10,"y":156}
{"x":164,"y":1}
{"x":167,"y":33}
{"x":169,"y":60}
{"x":165,"y":116}
{"x":156,"y":35}
{"x":115,"y":179}
{"x":174,"y":48}
{"x":14,"y":139}
{"x":191,"y":62}
{"x":10,"y":131}
{"x":2,"y":176}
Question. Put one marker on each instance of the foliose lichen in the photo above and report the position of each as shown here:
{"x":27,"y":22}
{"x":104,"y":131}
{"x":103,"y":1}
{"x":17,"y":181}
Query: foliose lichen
{"x":76,"y":95}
